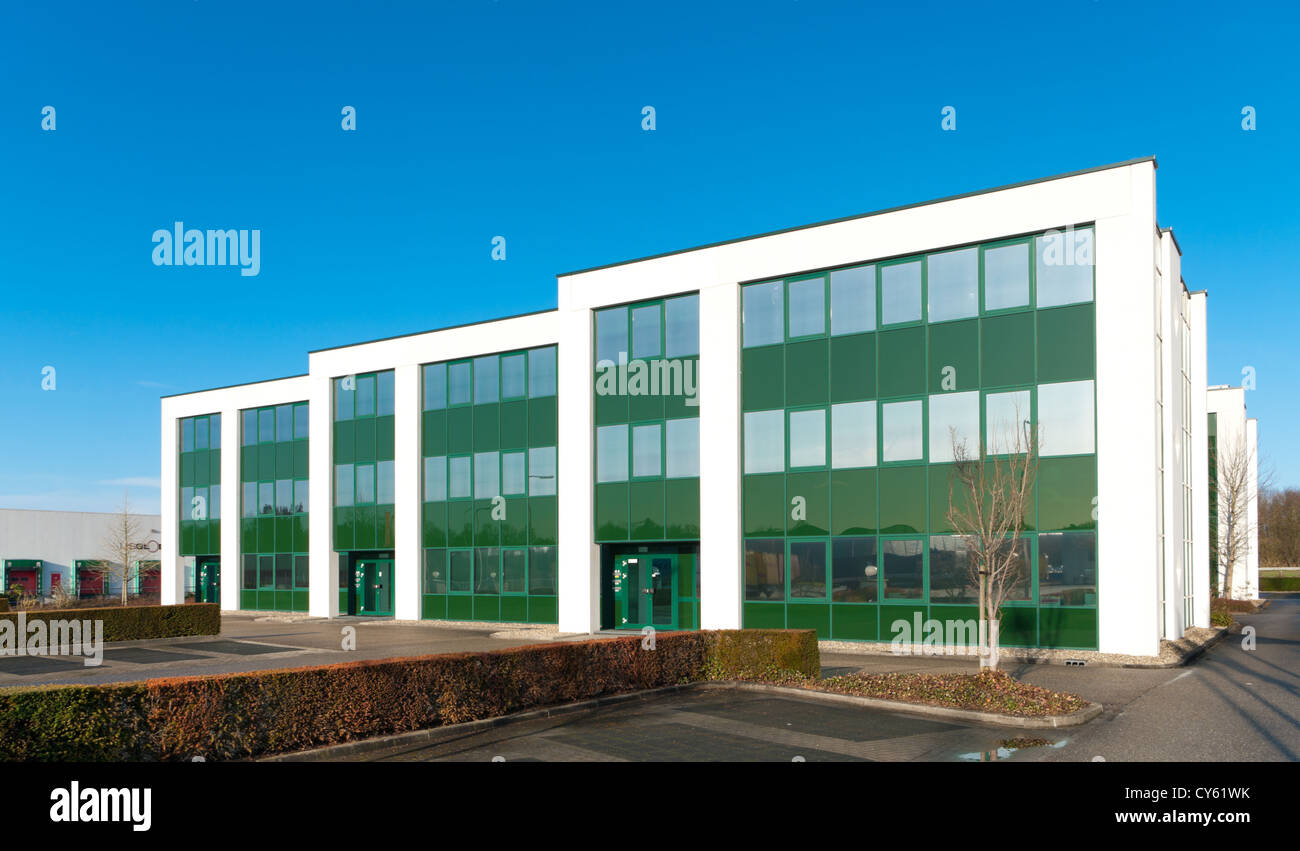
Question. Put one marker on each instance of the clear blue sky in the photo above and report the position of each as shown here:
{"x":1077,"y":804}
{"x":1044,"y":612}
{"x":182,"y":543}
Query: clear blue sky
{"x":480,"y":118}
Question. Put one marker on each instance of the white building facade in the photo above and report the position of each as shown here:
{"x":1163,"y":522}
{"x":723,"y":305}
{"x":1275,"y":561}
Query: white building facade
{"x":756,"y":433}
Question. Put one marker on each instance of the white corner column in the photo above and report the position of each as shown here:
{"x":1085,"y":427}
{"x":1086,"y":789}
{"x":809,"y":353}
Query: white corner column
{"x":1251,"y":590}
{"x":323,"y":597}
{"x":406,"y":482}
{"x":579,"y":569}
{"x":721,"y":577}
{"x":231,"y":568}
{"x":1200,"y":573}
{"x":169,"y":539}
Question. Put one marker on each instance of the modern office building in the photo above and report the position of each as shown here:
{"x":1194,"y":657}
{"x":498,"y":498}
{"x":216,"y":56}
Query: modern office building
{"x":1234,"y":491}
{"x":756,"y":433}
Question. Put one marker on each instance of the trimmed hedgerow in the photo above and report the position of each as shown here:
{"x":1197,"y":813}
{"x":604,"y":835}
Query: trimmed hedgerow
{"x":233,"y":716}
{"x":131,"y":623}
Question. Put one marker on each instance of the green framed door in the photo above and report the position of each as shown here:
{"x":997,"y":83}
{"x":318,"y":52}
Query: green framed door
{"x":645,"y":591}
{"x":373,"y":580}
{"x":207,"y":586}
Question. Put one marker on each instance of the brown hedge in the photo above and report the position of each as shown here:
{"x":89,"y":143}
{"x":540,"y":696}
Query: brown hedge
{"x":131,"y":623}
{"x":233,"y":716}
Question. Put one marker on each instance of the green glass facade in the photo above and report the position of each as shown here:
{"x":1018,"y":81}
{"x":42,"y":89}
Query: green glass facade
{"x":647,"y":437}
{"x":489,"y":488}
{"x":200,"y":485}
{"x":273,"y":523}
{"x":858,"y":384}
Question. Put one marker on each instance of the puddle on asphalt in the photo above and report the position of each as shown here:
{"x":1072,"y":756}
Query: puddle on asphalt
{"x":1009,"y":747}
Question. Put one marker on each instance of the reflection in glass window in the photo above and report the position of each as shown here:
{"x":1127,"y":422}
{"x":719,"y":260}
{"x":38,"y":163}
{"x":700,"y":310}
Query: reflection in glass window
{"x":853,"y":300}
{"x":214,"y":431}
{"x":460,"y":564}
{"x":284,"y":497}
{"x":266,"y":496}
{"x":541,"y":372}
{"x":384,"y":394}
{"x":645,"y":331}
{"x":764,"y":441}
{"x":953,"y":284}
{"x":435,"y":571}
{"x":249,"y":507}
{"x":611,"y":335}
{"x":301,"y":496}
{"x":1067,"y":569}
{"x":459,"y":477}
{"x":853,"y":570}
{"x":365,"y":474}
{"x":1065,"y":418}
{"x":250,"y":427}
{"x":365,"y":395}
{"x":901,"y":431}
{"x":187,"y":435}
{"x":487,"y":475}
{"x":514,"y":579}
{"x":435,"y":387}
{"x":344,"y":398}
{"x":541,"y":471}
{"x":904,"y":569}
{"x":1006,"y":277}
{"x":952,"y":571}
{"x":808,"y":438}
{"x":807,"y":307}
{"x":900,"y":293}
{"x":487,"y":566}
{"x":682,"y":326}
{"x":284,"y":423}
{"x":435,"y":478}
{"x":542,"y":570}
{"x":954,"y":422}
{"x":201,"y":433}
{"x":763,"y":321}
{"x":611,"y":453}
{"x":266,"y":425}
{"x":646,"y":448}
{"x":1006,"y":421}
{"x":683,"y":438}
{"x":808,"y":570}
{"x":512,"y":376}
{"x":765,"y":570}
{"x":485,"y":380}
{"x":343,"y":486}
{"x":385,"y":487}
{"x":301,"y":421}
{"x":853,"y":435}
{"x":1064,"y":266}
{"x":458,"y":383}
{"x":513,"y":478}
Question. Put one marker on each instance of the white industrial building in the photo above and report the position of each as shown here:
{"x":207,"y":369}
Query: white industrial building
{"x":801,"y":486}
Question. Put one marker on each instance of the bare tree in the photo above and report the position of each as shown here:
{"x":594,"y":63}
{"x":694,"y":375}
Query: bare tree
{"x":1279,"y":528}
{"x":1239,"y":485}
{"x":988,"y":497}
{"x":119,"y":547}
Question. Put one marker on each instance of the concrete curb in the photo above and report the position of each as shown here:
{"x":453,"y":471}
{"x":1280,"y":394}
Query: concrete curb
{"x":1043,"y":722}
{"x":436,"y":734}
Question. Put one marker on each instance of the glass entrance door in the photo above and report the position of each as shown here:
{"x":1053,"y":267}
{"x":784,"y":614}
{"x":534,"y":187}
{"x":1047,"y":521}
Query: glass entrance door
{"x":207,"y":588}
{"x":373,"y":580}
{"x":645,"y":591}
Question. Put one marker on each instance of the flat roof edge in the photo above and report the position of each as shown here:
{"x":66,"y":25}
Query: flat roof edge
{"x":233,"y":386}
{"x":854,"y":217}
{"x":436,"y":330}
